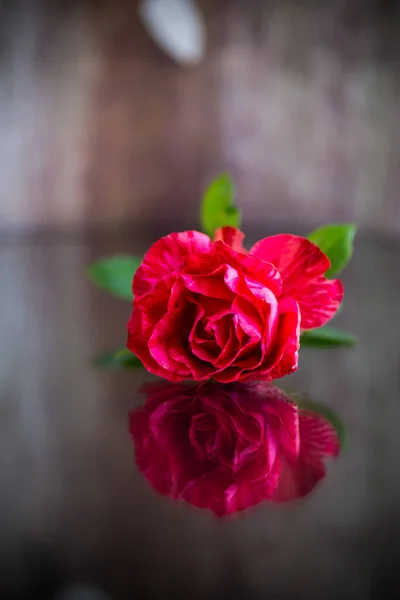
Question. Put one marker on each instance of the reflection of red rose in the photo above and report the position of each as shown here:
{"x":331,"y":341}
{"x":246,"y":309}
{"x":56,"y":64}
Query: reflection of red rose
{"x":207,"y":309}
{"x":227,"y":448}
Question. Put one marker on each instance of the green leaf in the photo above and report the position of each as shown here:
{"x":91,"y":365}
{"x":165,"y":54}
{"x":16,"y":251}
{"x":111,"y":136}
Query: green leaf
{"x":336,"y":241}
{"x":328,"y":414}
{"x":218,"y":205}
{"x":118,"y":359}
{"x":114,"y":274}
{"x":327,"y":337}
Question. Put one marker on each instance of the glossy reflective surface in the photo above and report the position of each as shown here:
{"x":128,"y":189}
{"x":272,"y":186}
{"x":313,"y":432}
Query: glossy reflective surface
{"x":228,"y":447}
{"x":74,"y":508}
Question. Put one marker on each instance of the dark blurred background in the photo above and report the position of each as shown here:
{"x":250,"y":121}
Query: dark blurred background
{"x":299,"y":100}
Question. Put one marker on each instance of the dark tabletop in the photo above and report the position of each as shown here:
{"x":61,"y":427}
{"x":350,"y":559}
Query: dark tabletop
{"x":74,"y":507}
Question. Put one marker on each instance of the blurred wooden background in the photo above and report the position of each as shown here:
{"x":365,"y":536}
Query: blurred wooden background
{"x":300,"y":100}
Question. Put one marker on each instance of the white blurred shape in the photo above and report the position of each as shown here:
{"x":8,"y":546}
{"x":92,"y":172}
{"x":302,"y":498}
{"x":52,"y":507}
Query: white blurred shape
{"x":177,"y":27}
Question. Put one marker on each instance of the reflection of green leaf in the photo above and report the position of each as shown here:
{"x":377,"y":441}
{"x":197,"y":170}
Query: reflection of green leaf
{"x":218,"y":206}
{"x":336,"y":241}
{"x":328,"y":413}
{"x":114,"y":274}
{"x":118,"y":359}
{"x":327,"y":337}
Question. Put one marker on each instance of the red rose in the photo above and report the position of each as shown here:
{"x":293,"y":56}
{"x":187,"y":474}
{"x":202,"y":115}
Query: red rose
{"x":207,"y":309}
{"x":227,"y":448}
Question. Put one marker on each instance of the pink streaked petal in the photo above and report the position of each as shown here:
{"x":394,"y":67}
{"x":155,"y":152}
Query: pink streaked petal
{"x":202,"y":339}
{"x":260,"y":292}
{"x":212,"y":286}
{"x":167,"y":256}
{"x":228,"y":375}
{"x":208,"y":263}
{"x":167,"y":350}
{"x":220,"y":254}
{"x":247,"y":317}
{"x":283,"y":421}
{"x":296,"y":258}
{"x":250,"y":355}
{"x":151,"y":462}
{"x":286,"y":355}
{"x":302,"y":266}
{"x":155,"y":303}
{"x":206,"y":332}
{"x":208,"y":491}
{"x":229,"y":351}
{"x":164,"y":343}
{"x":232,"y":237}
{"x":215,"y":308}
{"x":240,"y":334}
{"x":138,"y":345}
{"x":266,"y":304}
{"x":220,"y":357}
{"x":271,"y":446}
{"x":282,"y":356}
{"x":249,"y":375}
{"x":222,"y":330}
{"x":252,"y":298}
{"x":318,"y":440}
{"x":203,"y":423}
{"x":257,"y":485}
{"x":198,"y":312}
{"x":244,"y":452}
{"x":319,"y":301}
{"x":261,"y":271}
{"x":178,"y":295}
{"x":318,"y":436}
{"x":207,"y":351}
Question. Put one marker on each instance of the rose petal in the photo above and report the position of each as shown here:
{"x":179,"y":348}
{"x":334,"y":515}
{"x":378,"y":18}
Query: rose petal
{"x":302,"y":266}
{"x":319,"y":301}
{"x":290,"y":254}
{"x":167,"y":256}
{"x":288,"y":332}
{"x":151,"y":462}
{"x":137,"y":344}
{"x":168,"y":349}
{"x":202,"y":427}
{"x":209,"y":339}
{"x":318,"y":436}
{"x":258,"y":270}
{"x":249,"y":356}
{"x":206,"y":350}
{"x":208,"y":491}
{"x":231,"y":347}
{"x":259,"y":292}
{"x":318,"y":440}
{"x":222,"y":329}
{"x":226,"y":448}
{"x":282,"y":356}
{"x":230,"y":236}
{"x":263,"y":272}
{"x":221,"y":254}
{"x":147,"y":312}
{"x":212,"y":285}
{"x":247,"y":317}
{"x":282,"y":418}
{"x":251,"y":489}
{"x":215,"y":308}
